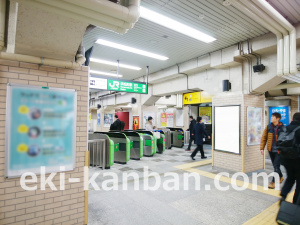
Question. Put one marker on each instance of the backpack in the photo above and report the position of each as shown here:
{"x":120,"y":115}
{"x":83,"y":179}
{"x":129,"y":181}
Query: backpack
{"x":122,"y":125}
{"x":286,"y":144}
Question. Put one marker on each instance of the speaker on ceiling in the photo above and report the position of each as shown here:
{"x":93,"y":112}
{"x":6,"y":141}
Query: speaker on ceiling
{"x":133,"y":100}
{"x":226,"y":85}
{"x":98,"y":106}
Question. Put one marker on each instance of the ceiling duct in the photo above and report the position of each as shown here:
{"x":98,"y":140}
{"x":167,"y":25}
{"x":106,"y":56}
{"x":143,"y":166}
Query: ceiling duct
{"x":264,"y":14}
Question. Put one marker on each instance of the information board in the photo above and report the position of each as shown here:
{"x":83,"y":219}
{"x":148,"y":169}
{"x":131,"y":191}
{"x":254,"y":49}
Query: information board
{"x":126,"y":86}
{"x":40,"y":129}
{"x":118,"y":85}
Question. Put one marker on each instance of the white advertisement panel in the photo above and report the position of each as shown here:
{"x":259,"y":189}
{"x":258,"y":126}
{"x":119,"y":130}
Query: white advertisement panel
{"x":227,"y":129}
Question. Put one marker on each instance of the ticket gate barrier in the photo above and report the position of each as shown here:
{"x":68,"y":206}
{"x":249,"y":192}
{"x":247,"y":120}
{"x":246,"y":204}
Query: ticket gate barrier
{"x":150,"y":142}
{"x":110,"y":149}
{"x":161,"y":141}
{"x":167,"y":134}
{"x":177,"y":137}
{"x":137,"y":140}
{"x":122,"y":156}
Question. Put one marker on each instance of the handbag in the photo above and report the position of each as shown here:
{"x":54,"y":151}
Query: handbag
{"x":289,"y":213}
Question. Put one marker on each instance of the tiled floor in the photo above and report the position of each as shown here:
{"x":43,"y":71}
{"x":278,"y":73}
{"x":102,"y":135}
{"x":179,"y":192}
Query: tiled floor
{"x":205,"y":206}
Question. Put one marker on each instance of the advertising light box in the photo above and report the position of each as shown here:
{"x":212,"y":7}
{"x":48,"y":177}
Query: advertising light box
{"x":40,"y":129}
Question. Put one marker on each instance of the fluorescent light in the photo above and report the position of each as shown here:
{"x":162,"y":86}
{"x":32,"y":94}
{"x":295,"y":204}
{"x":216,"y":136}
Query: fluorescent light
{"x":105,"y":73}
{"x":174,"y":25}
{"x":130,"y":49}
{"x":114,"y":64}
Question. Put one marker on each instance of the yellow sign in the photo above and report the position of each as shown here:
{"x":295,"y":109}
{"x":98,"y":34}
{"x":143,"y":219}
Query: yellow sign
{"x":206,"y":97}
{"x":196,"y":98}
{"x":205,"y":113}
{"x":192,"y":98}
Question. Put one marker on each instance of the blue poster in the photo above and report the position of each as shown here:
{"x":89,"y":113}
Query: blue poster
{"x":284,"y":112}
{"x":42,"y":126}
{"x":98,"y":119}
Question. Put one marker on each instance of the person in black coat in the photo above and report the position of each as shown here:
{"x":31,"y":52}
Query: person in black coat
{"x":292,"y":166}
{"x":199,"y":134}
{"x":117,"y":124}
{"x":191,"y":129}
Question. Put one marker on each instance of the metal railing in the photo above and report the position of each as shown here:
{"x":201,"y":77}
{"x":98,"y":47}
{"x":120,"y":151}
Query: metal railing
{"x":97,"y":157}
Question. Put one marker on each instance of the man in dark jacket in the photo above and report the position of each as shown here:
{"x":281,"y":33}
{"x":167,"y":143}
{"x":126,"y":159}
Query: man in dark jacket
{"x":292,"y":166}
{"x":191,"y":129}
{"x":116,"y":125}
{"x":269,"y":138}
{"x":199,"y":133}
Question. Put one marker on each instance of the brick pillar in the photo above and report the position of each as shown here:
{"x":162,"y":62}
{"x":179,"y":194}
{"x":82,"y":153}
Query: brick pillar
{"x":44,"y":207}
{"x":249,"y":159}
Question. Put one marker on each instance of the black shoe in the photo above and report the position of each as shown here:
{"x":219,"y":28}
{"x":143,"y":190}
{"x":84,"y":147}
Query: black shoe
{"x":192,"y":158}
{"x":203,"y":157}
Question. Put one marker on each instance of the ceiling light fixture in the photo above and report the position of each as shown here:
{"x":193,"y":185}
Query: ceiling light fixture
{"x":105,"y":73}
{"x":174,"y":25}
{"x":114,"y":64}
{"x":130,"y":49}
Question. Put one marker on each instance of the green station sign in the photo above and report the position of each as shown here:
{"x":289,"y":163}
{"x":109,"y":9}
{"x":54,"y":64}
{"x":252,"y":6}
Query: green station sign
{"x":127,"y":86}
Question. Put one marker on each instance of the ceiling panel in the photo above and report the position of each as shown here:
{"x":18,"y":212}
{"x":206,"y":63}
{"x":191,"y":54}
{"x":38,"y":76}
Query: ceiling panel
{"x":227,"y":24}
{"x":290,"y":9}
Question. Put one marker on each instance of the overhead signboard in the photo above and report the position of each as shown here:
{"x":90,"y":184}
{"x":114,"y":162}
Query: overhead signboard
{"x":118,"y":85}
{"x":191,"y":98}
{"x":98,"y":83}
{"x":127,"y":86}
{"x":197,"y":98}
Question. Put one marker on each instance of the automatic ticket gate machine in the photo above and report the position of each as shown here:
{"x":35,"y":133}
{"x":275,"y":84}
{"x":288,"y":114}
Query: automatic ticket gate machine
{"x":122,"y":156}
{"x":177,"y":137}
{"x":150,"y":142}
{"x":161,"y":141}
{"x":137,"y":141}
{"x":167,"y":133}
{"x":110,"y":148}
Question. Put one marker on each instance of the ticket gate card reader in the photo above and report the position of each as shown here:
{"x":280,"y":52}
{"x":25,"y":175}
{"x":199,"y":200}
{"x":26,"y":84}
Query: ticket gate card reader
{"x":137,"y":140}
{"x":161,"y":142}
{"x":122,"y":156}
{"x":177,"y":137}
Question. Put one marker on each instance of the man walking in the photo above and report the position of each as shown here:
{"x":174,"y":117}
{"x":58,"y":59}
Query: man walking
{"x":269,"y":137}
{"x":199,"y":133}
{"x":292,"y":165}
{"x":191,"y":129}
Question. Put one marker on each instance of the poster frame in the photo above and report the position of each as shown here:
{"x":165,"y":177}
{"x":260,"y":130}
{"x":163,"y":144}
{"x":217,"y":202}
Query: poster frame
{"x":214,"y":129}
{"x":249,"y":107}
{"x":10,"y":87}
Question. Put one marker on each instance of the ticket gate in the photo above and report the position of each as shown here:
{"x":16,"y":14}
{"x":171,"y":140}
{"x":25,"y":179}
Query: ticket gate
{"x":161,"y":141}
{"x":177,"y":137}
{"x":122,"y":156}
{"x":137,"y":140}
{"x":110,"y":149}
{"x":150,"y":142}
{"x":167,"y":134}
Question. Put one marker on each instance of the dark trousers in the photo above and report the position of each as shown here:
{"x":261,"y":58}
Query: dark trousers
{"x":292,"y":167}
{"x":199,"y":148}
{"x":275,"y":158}
{"x":190,"y":143}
